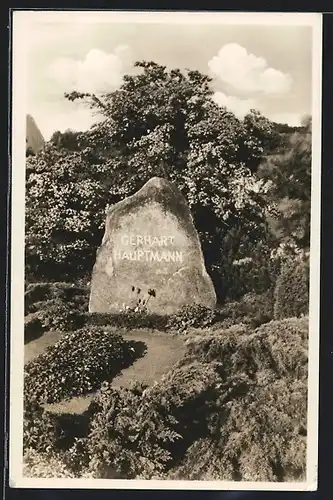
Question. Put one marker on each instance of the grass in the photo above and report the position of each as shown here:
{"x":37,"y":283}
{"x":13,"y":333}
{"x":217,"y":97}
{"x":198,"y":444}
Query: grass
{"x":162,"y":352}
{"x":36,"y":347}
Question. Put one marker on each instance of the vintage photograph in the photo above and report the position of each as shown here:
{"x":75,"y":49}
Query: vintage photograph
{"x":165,"y":250}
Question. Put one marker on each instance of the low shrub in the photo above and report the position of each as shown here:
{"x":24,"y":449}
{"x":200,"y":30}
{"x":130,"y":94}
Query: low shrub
{"x":64,"y":292}
{"x":52,"y":315}
{"x":252,"y":309}
{"x":46,"y":431}
{"x":78,"y":303}
{"x":262,"y":437}
{"x":191,"y":316}
{"x":48,"y":464}
{"x":280,"y":347}
{"x":39,"y":427}
{"x":141,"y":433}
{"x":59,"y":316}
{"x":233,"y":409}
{"x":77,"y":364}
{"x":127,"y":319}
{"x":33,"y":327}
{"x":292,"y":290}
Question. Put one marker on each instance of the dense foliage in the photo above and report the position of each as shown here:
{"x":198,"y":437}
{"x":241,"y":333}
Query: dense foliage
{"x":234,"y":408}
{"x":159,"y":123}
{"x":252,"y":309}
{"x":68,"y":311}
{"x":292,"y":289}
{"x":279,"y":347}
{"x":37,"y":294}
{"x":39,"y":428}
{"x":192,"y":316}
{"x":77,"y":364}
{"x":65,"y":201}
{"x":289,"y":177}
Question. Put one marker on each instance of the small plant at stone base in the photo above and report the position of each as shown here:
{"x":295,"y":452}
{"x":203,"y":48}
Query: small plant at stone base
{"x":140,"y":302}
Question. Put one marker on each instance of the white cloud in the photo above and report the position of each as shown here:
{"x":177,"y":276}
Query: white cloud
{"x":240,"y":107}
{"x":292,"y":119}
{"x":97,"y":72}
{"x":79,"y":119}
{"x":235,"y":66}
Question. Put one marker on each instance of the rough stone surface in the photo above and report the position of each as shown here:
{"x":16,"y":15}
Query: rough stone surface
{"x":150,"y":257}
{"x":34,"y":139}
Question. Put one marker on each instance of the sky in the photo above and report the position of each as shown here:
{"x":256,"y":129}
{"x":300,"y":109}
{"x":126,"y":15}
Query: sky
{"x":263,"y":66}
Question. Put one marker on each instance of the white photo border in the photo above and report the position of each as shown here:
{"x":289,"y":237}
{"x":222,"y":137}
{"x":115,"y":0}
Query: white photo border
{"x":21,"y":20}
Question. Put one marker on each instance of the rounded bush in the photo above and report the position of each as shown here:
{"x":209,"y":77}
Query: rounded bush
{"x":77,"y":364}
{"x":60,"y":316}
{"x":40,"y":295}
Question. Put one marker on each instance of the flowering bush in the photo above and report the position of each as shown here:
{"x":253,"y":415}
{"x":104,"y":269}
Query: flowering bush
{"x":159,"y":123}
{"x":65,"y":202}
{"x":78,"y":363}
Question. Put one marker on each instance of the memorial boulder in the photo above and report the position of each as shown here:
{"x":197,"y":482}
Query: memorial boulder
{"x":150,"y":257}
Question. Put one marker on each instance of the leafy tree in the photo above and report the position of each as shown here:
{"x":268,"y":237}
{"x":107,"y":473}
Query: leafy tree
{"x":66,"y":140}
{"x":65,"y":203}
{"x":165,"y":123}
{"x":289,"y":174}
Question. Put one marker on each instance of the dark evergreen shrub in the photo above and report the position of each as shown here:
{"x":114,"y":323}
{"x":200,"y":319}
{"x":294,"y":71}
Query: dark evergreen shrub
{"x":33,"y":327}
{"x":141,"y":434}
{"x":261,"y":437}
{"x":292,"y":290}
{"x":191,"y":316}
{"x":279,"y":347}
{"x":39,"y":293}
{"x":128,"y":319}
{"x":252,"y":309}
{"x":39,"y":427}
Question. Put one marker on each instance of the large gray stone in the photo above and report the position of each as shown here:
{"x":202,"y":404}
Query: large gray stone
{"x":150,"y":255}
